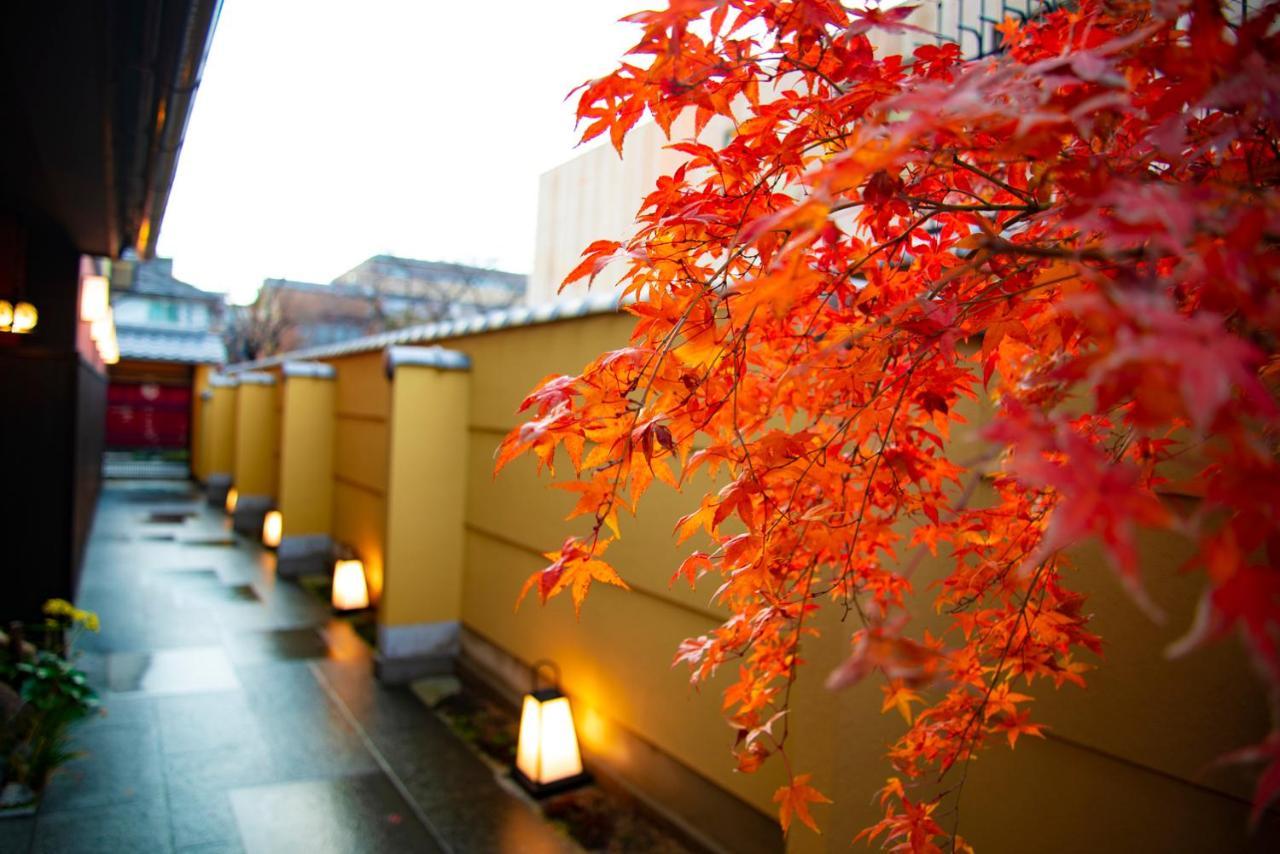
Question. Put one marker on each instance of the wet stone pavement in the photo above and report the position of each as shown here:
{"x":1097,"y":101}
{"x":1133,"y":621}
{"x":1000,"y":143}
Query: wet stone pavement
{"x":239,"y":716}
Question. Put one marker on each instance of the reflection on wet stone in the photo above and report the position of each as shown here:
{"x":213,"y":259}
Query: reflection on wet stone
{"x":241,"y":716}
{"x":362,"y":813}
{"x":171,"y":671}
{"x":278,"y":645}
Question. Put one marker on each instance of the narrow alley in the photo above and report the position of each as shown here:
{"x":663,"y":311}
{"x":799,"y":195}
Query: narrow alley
{"x":239,"y":715}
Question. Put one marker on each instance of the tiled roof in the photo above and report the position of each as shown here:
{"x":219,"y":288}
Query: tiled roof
{"x":521,"y":315}
{"x":157,"y":280}
{"x":199,"y":348}
{"x":446,"y":269}
{"x":316,"y":288}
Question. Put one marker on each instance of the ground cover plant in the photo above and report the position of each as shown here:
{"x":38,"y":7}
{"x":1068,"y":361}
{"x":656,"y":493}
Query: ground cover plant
{"x":42,"y":697}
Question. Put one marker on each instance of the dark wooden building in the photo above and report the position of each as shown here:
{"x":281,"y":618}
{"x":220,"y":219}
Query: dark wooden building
{"x":95,"y":98}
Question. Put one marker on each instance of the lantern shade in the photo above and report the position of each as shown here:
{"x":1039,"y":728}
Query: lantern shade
{"x":25,"y":317}
{"x":232,"y":498}
{"x":350,"y":591}
{"x":547,"y":756}
{"x":272,"y":529}
{"x":103,"y":326}
{"x":95,"y":298}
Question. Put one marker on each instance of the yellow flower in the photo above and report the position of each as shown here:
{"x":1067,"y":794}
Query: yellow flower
{"x":59,"y":608}
{"x":63,"y":608}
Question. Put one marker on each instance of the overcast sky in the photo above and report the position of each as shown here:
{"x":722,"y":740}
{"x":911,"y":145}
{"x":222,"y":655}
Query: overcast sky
{"x":325,"y":132}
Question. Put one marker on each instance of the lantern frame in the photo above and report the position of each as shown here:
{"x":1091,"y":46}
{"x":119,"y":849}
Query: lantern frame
{"x":543,"y":696}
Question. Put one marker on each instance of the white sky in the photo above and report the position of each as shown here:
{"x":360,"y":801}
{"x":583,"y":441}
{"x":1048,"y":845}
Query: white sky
{"x":325,"y":132}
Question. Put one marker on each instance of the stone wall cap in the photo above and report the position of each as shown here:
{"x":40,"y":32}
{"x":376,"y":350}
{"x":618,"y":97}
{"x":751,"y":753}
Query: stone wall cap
{"x":256,"y":378}
{"x":426,"y":357}
{"x":309,"y":370}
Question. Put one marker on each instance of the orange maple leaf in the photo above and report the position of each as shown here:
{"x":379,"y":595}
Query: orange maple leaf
{"x":794,"y":798}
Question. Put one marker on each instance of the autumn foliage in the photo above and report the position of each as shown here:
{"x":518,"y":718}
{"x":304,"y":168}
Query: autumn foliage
{"x":1081,"y":233}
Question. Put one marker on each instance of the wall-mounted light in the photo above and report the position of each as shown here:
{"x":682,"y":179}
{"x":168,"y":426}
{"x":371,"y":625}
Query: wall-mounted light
{"x":232,"y":498}
{"x":109,"y":349}
{"x":18,"y":318}
{"x":272,"y":529}
{"x":95,"y":298}
{"x":547,"y":756}
{"x":103,"y":325}
{"x":350,"y":590}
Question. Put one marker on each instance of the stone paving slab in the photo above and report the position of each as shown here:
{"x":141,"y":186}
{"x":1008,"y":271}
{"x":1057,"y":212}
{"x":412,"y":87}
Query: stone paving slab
{"x":239,"y":716}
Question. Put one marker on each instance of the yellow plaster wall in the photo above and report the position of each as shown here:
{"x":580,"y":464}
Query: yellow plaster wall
{"x":277,"y":426}
{"x":222,"y":431}
{"x":423,"y":581}
{"x":307,"y":455}
{"x":361,"y":442}
{"x":616,"y":658}
{"x":257,"y":433}
{"x":199,"y":414}
{"x":1143,"y":722}
{"x":1126,"y":766}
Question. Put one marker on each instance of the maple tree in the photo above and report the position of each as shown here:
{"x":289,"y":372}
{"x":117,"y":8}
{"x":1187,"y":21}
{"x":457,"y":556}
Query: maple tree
{"x":1081,"y":230}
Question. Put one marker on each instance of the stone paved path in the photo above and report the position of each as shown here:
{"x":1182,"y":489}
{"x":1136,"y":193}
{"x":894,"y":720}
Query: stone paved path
{"x":239,"y":716}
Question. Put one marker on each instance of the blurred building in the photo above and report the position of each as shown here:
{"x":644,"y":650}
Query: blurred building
{"x":293,"y":315}
{"x":95,"y":97}
{"x":597,"y":194}
{"x":378,"y":295}
{"x":410,"y":291}
{"x":166,"y":330}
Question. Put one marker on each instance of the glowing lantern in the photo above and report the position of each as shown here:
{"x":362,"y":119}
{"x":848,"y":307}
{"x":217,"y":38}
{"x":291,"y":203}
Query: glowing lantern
{"x":95,"y":298}
{"x":547,"y":757}
{"x":109,"y":349}
{"x":232,"y":498}
{"x":272,"y":529}
{"x":350,"y":591}
{"x":103,"y":326}
{"x":19,"y":319}
{"x":25,"y":317}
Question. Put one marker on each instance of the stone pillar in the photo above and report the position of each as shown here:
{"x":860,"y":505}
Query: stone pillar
{"x":220,"y":438}
{"x":421,"y":603}
{"x":257,"y":433}
{"x":306,"y":470}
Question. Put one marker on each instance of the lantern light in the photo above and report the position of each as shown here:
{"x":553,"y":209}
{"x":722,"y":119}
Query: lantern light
{"x":25,"y":317}
{"x":350,"y":590}
{"x":103,"y":326}
{"x":95,"y":298}
{"x":232,"y":498}
{"x":109,"y":349}
{"x":547,"y":756}
{"x":272,"y":529}
{"x":18,"y":318}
